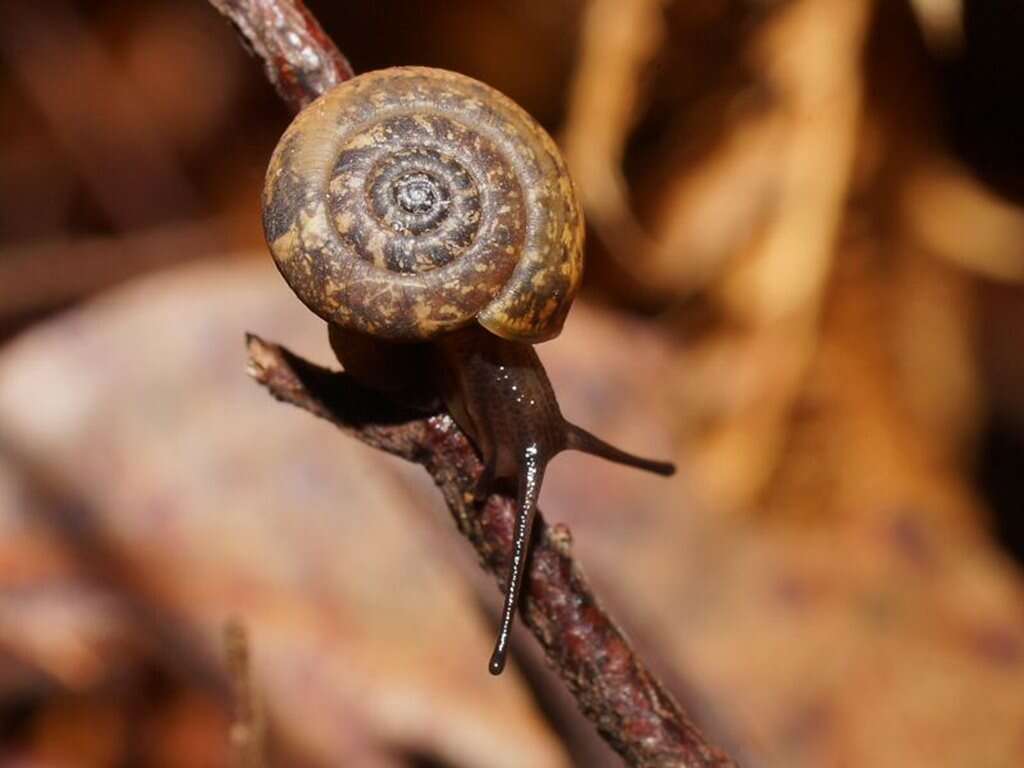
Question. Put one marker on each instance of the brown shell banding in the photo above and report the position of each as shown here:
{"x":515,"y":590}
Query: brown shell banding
{"x":406,"y":202}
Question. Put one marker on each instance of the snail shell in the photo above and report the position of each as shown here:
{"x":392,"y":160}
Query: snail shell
{"x":408,"y":202}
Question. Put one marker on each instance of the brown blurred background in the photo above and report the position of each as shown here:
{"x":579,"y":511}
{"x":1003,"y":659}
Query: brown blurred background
{"x":805,"y":282}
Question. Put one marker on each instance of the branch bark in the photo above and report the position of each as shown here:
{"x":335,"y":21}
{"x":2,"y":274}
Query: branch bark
{"x":631,"y":709}
{"x":298,"y":57}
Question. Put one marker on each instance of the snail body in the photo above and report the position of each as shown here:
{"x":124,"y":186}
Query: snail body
{"x":432,"y":223}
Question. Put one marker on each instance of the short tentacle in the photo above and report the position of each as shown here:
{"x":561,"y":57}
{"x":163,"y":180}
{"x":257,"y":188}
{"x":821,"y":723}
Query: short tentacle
{"x":578,"y":439}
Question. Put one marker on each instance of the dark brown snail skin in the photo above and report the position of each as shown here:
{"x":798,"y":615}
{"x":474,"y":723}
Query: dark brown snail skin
{"x":433,"y":224}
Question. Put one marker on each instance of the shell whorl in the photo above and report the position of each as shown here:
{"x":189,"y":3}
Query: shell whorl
{"x":408,"y":202}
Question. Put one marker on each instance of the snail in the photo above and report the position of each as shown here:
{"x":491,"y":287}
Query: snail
{"x":432,"y":223}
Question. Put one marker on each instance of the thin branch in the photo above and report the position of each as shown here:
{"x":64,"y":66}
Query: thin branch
{"x":299,"y":58}
{"x":631,"y":709}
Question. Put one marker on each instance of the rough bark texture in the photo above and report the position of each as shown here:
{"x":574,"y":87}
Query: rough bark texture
{"x":298,"y":57}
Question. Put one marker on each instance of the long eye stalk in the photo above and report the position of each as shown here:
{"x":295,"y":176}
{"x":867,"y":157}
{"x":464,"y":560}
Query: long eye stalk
{"x":531,"y":474}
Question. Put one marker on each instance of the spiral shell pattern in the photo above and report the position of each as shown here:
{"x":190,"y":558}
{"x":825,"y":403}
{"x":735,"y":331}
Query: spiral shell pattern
{"x":408,"y":202}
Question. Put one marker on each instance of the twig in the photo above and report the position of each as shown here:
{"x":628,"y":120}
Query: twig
{"x":299,"y":58}
{"x":630,"y":708}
